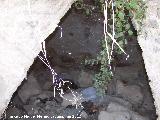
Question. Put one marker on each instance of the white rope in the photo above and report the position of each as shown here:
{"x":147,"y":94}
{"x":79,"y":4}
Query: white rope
{"x":113,"y":30}
{"x":46,"y":62}
{"x":76,"y":98}
{"x":112,"y":36}
{"x":105,"y":28}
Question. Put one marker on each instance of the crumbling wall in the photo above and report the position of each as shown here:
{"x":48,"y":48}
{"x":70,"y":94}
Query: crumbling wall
{"x":24,"y":24}
{"x":149,"y":41}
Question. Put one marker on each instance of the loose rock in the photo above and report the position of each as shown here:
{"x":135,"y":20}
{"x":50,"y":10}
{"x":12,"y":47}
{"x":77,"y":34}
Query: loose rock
{"x":30,"y":88}
{"x":46,"y":95}
{"x":115,"y":107}
{"x":13,"y":111}
{"x":104,"y":115}
{"x":72,"y":99}
{"x":71,"y":112}
{"x":31,"y":109}
{"x":47,"y":85}
{"x":112,"y":107}
{"x":120,"y":101}
{"x":136,"y":116}
{"x":130,"y":74}
{"x":84,"y":115}
{"x":85,"y":79}
{"x":132,"y":93}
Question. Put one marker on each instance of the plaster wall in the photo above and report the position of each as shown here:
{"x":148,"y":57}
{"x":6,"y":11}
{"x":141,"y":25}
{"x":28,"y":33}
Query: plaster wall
{"x":149,"y":41}
{"x":24,"y":24}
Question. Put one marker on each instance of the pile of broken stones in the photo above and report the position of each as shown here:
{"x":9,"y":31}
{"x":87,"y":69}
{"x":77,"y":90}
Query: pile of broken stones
{"x":128,"y":95}
{"x":125,"y":100}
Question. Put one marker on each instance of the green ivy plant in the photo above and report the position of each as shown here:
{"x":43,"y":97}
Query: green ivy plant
{"x":87,"y":9}
{"x":125,"y":11}
{"x":102,"y":78}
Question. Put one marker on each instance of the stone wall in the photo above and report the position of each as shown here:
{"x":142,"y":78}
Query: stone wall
{"x":24,"y":24}
{"x":149,"y":41}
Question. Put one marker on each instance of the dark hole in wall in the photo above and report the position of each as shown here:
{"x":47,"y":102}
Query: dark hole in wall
{"x":82,"y":39}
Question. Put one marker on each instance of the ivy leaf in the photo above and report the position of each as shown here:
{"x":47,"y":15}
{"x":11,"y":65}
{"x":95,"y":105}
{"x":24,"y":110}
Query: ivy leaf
{"x":101,"y":1}
{"x":121,"y":15}
{"x":120,"y":43}
{"x":119,"y":4}
{"x":127,"y":26}
{"x":119,"y":23}
{"x":119,"y":29}
{"x":133,"y":4}
{"x":127,"y":6}
{"x":118,"y":35}
{"x":87,"y":11}
{"x":130,"y":32}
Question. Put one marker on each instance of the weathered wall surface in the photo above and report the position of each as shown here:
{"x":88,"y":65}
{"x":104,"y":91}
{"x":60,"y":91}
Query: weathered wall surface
{"x":149,"y":42}
{"x":24,"y":24}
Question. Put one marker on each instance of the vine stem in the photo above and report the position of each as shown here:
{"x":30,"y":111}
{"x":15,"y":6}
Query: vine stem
{"x":105,"y":28}
{"x":113,"y":39}
{"x":113,"y":30}
{"x":112,"y":36}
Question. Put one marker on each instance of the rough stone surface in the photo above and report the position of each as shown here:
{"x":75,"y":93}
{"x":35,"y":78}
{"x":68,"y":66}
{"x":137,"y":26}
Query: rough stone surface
{"x":131,"y":92}
{"x":151,"y":52}
{"x":104,"y":115}
{"x":31,"y":109}
{"x":148,"y":102}
{"x":120,"y":101}
{"x":109,"y":99}
{"x":13,"y":112}
{"x":82,"y":41}
{"x":84,"y":115}
{"x":47,"y":85}
{"x":85,"y":79}
{"x":69,"y":99}
{"x":115,"y":107}
{"x":24,"y":25}
{"x":112,"y":107}
{"x":46,"y":95}
{"x":30,"y":88}
{"x":70,"y":112}
{"x":136,"y":116}
{"x":130,"y":73}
